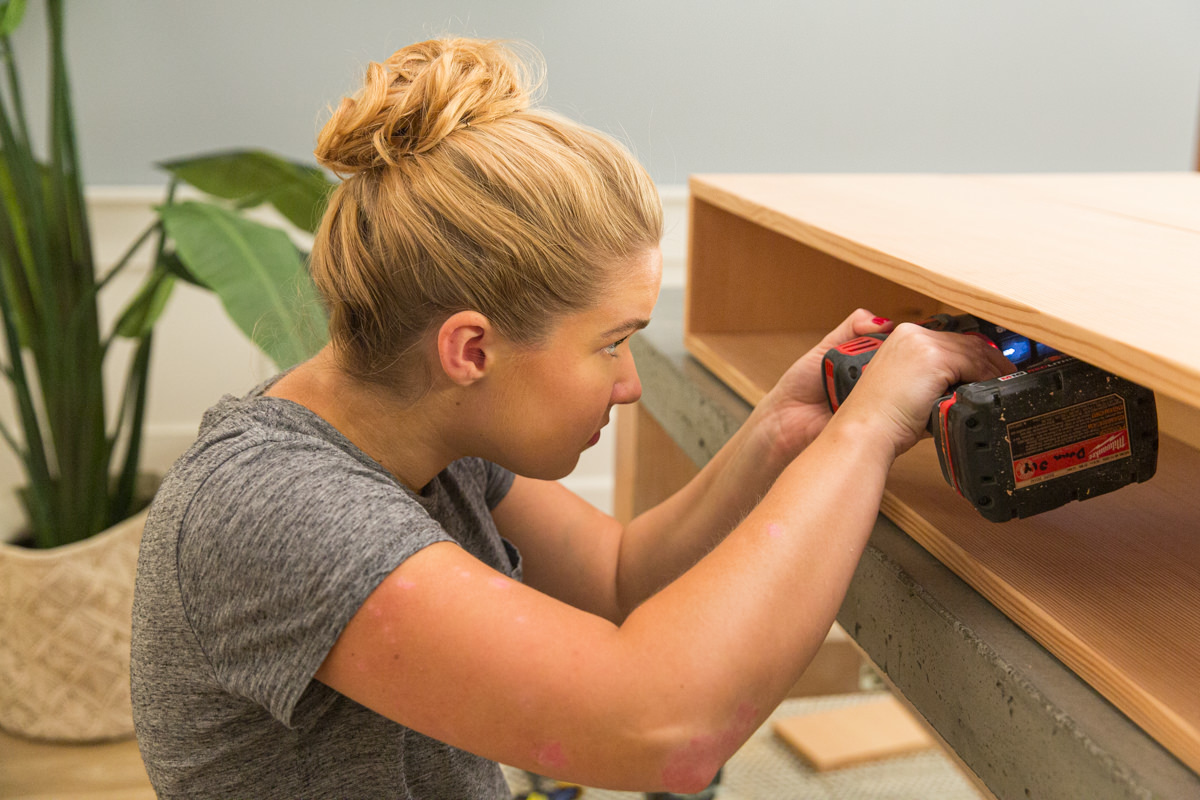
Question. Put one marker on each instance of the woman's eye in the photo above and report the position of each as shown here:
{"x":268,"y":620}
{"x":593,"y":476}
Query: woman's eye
{"x":612,"y":348}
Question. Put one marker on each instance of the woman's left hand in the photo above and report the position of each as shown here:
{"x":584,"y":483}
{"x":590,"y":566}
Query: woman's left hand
{"x":796,"y":409}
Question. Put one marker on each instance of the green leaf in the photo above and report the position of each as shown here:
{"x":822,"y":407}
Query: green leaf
{"x":172,"y":263}
{"x":11,"y":14}
{"x":253,"y":177}
{"x":256,"y":272}
{"x":16,"y":257}
{"x":143,"y":311}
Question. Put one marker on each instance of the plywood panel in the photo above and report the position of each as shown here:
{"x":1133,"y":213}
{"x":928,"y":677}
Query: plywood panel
{"x":33,"y":770}
{"x":1179,"y":421}
{"x":854,"y":735}
{"x":650,"y":466}
{"x":1111,"y":585}
{"x":1108,"y":287}
{"x":1163,"y":198}
{"x":750,"y":363}
{"x":744,"y":277}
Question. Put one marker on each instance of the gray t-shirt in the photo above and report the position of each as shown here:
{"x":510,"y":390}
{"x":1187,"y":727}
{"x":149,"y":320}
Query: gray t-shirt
{"x":263,"y":541}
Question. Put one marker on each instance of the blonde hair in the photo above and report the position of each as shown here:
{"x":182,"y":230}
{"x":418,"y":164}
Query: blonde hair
{"x":459,"y":195}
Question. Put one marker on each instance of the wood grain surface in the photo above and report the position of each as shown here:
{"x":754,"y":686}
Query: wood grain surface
{"x":33,"y":770}
{"x":856,"y":734}
{"x":1110,"y":585}
{"x":1099,"y":280}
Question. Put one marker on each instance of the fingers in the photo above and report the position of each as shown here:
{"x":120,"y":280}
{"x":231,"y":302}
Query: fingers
{"x":864,"y":321}
{"x":858,"y":323}
{"x":914,"y":368}
{"x":984,"y":360}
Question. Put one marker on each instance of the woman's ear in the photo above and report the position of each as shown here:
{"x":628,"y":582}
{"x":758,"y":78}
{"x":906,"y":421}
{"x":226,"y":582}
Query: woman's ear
{"x":464,"y":343}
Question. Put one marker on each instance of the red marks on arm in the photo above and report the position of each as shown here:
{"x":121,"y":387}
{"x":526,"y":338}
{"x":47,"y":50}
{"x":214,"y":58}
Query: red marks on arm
{"x":692,"y":768}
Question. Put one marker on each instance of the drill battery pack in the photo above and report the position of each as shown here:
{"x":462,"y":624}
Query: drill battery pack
{"x":1031,"y":441}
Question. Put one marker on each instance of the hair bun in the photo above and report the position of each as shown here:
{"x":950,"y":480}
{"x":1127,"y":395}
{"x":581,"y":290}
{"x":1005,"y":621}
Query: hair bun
{"x":421,"y":95}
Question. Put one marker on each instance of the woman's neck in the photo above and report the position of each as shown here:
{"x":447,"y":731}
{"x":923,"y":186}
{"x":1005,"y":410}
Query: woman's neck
{"x":401,"y":435}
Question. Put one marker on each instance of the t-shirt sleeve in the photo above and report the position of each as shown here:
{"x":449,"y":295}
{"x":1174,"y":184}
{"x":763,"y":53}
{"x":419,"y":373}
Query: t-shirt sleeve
{"x":279,"y":548}
{"x":498,"y":481}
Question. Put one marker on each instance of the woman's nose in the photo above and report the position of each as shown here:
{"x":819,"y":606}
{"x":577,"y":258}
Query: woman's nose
{"x":628,"y":388}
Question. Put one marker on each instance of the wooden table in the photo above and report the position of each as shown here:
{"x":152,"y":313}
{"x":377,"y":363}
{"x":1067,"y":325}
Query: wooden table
{"x":1104,"y":267}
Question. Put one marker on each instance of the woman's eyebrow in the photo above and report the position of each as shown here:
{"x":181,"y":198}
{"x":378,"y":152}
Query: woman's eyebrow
{"x":628,"y":326}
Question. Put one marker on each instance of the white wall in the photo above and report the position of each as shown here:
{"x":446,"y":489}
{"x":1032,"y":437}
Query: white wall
{"x":691,"y":85}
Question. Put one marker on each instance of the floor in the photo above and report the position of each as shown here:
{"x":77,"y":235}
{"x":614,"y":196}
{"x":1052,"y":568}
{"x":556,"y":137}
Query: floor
{"x":38,"y":771}
{"x":763,"y":768}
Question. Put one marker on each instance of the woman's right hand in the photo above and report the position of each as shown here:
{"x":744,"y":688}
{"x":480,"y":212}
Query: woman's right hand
{"x":910,"y":371}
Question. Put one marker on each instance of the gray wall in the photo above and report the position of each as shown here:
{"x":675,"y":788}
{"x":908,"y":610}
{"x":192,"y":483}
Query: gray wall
{"x":705,"y":86}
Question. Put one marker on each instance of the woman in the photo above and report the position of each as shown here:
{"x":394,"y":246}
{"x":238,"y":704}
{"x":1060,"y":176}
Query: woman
{"x":363,"y":579}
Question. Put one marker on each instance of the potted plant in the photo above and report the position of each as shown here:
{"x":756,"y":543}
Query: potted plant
{"x":65,"y":601}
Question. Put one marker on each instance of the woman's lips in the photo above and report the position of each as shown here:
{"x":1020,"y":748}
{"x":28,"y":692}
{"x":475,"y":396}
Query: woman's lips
{"x":596,"y":436}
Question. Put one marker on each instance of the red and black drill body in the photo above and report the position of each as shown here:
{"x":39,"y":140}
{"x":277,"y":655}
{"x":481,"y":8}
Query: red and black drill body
{"x":1057,"y":429}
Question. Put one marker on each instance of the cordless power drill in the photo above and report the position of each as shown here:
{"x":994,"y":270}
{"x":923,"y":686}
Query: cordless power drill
{"x":1057,"y":429}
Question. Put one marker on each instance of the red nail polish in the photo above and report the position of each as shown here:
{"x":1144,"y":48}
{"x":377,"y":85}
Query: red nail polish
{"x":880,"y":320}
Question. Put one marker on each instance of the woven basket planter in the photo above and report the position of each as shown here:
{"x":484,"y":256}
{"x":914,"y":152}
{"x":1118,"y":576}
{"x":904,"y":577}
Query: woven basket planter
{"x":64,"y":636}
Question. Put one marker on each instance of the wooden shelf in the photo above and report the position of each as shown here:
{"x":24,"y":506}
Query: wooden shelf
{"x":1101,"y":267}
{"x":1111,"y":585}
{"x":750,"y":363}
{"x":1105,"y":267}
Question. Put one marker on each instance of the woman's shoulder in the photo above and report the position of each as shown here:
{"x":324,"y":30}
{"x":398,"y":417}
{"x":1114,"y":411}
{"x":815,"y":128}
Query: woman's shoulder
{"x":258,"y":449}
{"x":269,"y":430}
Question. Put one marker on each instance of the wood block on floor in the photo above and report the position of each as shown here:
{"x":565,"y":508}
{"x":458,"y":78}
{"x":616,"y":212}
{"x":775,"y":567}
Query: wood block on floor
{"x":846,"y":736}
{"x":36,"y":770}
{"x":836,"y":668}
